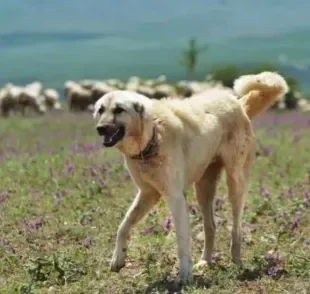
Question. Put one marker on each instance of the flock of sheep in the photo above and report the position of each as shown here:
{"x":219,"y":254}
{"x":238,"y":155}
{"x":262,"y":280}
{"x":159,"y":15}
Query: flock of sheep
{"x":81,"y":95}
{"x":29,"y":98}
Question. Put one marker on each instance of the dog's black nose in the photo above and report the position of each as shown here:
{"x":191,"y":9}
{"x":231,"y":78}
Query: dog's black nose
{"x":106,"y":130}
{"x":102,"y":130}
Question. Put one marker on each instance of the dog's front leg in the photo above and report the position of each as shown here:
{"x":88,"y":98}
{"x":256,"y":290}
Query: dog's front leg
{"x":142,"y":204}
{"x":177,"y":204}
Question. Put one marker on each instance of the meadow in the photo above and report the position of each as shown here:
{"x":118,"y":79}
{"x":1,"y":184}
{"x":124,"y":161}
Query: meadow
{"x":62,"y":197}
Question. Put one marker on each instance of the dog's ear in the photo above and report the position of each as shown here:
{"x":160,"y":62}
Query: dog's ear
{"x":139,"y":108}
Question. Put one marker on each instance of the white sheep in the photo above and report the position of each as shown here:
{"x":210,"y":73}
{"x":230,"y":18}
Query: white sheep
{"x":51,"y":99}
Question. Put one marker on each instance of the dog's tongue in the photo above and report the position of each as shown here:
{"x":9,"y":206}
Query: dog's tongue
{"x":108,"y":138}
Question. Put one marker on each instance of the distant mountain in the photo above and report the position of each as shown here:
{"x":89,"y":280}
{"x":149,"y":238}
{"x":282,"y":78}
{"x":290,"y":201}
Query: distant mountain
{"x":58,"y":40}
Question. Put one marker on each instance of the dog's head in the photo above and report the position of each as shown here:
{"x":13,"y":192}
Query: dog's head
{"x":124,"y":120}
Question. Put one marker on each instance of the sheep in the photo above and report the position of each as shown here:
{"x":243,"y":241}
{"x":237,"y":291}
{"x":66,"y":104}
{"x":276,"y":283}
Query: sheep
{"x":184,"y":89}
{"x":133,"y":83}
{"x":30,"y":98}
{"x":6,"y":102}
{"x":51,"y":97}
{"x":164,"y":90}
{"x":116,"y":84}
{"x":35,"y":88}
{"x":67,"y":86}
{"x":99,"y":89}
{"x":146,"y":91}
{"x":9,"y":99}
{"x":78,"y":97}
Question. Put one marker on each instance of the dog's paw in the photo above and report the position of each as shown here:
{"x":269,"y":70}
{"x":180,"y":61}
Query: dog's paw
{"x":184,"y":279}
{"x":186,"y":275}
{"x":117,"y":263}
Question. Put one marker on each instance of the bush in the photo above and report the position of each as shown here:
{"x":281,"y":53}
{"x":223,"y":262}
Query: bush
{"x":261,"y":67}
{"x":226,"y":74}
{"x":291,"y":100}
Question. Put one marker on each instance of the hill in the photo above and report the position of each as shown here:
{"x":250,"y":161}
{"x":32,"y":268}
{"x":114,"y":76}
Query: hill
{"x":55,"y":40}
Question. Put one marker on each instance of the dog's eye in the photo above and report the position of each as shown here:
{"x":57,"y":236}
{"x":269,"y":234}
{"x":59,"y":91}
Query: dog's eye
{"x":118,"y":110}
{"x":101,"y":110}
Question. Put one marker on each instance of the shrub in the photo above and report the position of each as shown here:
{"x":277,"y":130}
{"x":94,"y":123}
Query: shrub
{"x":226,"y":74}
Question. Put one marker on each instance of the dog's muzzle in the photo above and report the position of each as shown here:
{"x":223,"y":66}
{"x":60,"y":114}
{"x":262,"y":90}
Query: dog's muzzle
{"x":111,"y":134}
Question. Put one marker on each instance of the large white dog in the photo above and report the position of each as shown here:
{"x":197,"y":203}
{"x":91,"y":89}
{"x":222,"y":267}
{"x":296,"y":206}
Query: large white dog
{"x":169,"y":144}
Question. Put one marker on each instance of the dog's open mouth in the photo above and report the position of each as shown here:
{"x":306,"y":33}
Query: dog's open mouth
{"x":113,"y":135}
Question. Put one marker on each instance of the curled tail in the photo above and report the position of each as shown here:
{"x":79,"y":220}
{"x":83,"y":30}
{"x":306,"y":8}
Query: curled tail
{"x":259,"y":92}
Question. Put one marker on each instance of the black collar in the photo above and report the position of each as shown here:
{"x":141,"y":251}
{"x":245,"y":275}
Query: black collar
{"x":150,"y":150}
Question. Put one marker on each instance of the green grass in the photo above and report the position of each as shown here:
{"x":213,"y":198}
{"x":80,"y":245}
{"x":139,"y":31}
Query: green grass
{"x":62,"y":198}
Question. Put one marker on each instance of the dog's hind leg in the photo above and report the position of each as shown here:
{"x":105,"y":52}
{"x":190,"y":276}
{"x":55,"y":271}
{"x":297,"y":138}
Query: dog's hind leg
{"x":238,"y":178}
{"x":205,"y":190}
{"x":143,"y":203}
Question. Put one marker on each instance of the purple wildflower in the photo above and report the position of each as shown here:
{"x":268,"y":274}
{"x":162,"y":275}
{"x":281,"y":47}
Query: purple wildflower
{"x":307,"y":242}
{"x":290,"y":192}
{"x":6,"y":246}
{"x":275,"y":265}
{"x":167,"y":223}
{"x":275,"y":271}
{"x":296,"y":222}
{"x":192,"y":210}
{"x":264,"y":192}
{"x":146,"y":231}
{"x":307,"y":199}
{"x":273,"y":258}
{"x":266,"y":150}
{"x":219,"y":202}
{"x":34,"y":224}
{"x":4,"y":196}
{"x":69,"y":170}
{"x":89,"y":242}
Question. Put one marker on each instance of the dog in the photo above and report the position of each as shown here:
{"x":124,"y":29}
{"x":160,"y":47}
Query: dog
{"x":169,"y":144}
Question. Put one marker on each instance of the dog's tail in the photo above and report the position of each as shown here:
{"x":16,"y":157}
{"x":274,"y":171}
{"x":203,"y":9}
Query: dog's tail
{"x":259,"y":92}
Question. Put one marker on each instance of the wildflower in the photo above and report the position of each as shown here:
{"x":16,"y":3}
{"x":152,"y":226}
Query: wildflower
{"x":4,"y":196}
{"x":219,"y":202}
{"x":89,"y":242}
{"x":168,"y":223}
{"x":296,"y":222}
{"x":264,"y":192}
{"x":146,"y":231}
{"x":266,"y":150}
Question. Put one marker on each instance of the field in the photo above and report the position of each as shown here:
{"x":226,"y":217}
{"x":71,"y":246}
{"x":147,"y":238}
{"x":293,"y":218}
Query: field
{"x":62,"y":197}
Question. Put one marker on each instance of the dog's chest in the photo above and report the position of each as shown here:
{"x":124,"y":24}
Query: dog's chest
{"x":149,"y":171}
{"x":148,"y":166}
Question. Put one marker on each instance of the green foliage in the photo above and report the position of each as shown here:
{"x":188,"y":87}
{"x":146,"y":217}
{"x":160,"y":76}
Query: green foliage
{"x":261,"y":67}
{"x":189,"y":57}
{"x":226,"y":74}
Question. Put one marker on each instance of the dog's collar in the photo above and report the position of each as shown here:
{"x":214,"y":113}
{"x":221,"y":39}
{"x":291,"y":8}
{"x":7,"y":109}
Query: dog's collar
{"x":150,"y":150}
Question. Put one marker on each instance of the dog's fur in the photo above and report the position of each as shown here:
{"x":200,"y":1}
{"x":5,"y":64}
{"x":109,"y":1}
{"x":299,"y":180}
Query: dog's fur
{"x":193,"y":141}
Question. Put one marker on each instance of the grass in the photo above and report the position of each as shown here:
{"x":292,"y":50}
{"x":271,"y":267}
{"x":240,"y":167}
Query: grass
{"x":62,"y":198}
